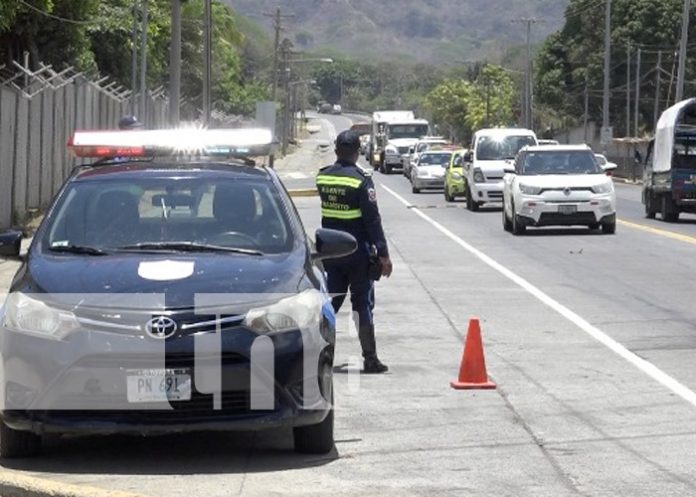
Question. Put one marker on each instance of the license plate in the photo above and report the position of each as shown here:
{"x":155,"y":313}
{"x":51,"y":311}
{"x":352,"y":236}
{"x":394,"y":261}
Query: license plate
{"x":567,"y":209}
{"x":158,"y":385}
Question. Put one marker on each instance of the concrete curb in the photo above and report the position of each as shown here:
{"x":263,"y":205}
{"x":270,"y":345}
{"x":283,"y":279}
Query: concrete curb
{"x":300,"y":192}
{"x":13,"y":484}
{"x":627,"y":181}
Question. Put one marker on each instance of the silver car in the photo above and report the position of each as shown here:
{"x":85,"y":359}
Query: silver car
{"x":429,"y":170}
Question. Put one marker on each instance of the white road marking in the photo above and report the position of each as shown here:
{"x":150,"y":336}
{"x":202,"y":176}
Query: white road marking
{"x":646,"y":367}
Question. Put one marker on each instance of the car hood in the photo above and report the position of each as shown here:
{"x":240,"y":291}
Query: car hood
{"x":565,"y":180}
{"x":178,"y":277}
{"x":432,"y":170}
{"x":492,"y":165}
{"x":403,"y":142}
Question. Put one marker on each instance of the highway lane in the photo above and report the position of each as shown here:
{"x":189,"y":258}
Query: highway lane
{"x":590,"y":406}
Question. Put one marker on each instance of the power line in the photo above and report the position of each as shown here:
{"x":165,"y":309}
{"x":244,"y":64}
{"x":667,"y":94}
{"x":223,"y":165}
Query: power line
{"x":53,"y":16}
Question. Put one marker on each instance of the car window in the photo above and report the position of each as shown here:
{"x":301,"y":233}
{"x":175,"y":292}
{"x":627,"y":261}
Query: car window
{"x":117,"y":213}
{"x":435,"y":159}
{"x":575,"y":162}
{"x":397,"y":131}
{"x":501,"y":147}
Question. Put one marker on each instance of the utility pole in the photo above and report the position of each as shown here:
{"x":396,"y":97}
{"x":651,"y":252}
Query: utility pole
{"x":636,"y":112}
{"x":143,"y":63}
{"x":628,"y":91}
{"x":528,"y":112}
{"x":586,"y":117}
{"x":658,"y":83}
{"x":681,"y":73}
{"x":278,"y":18}
{"x":607,"y":76}
{"x":134,"y":60}
{"x":207,"y":60}
{"x":175,"y":65}
{"x":285,"y":53}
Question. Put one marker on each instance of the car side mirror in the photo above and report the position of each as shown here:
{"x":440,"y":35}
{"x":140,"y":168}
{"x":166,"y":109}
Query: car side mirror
{"x":609,"y":169}
{"x":332,"y":244}
{"x":10,"y":243}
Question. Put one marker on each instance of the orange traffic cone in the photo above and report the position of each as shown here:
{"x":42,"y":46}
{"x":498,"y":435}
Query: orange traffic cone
{"x":472,"y":372}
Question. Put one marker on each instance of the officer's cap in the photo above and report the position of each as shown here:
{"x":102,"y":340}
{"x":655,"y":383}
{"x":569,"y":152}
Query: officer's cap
{"x":129,"y":122}
{"x":348,"y":140}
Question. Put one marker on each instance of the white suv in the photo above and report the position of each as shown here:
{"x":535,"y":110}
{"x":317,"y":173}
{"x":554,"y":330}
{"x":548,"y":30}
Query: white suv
{"x":485,"y":161}
{"x":556,"y":186}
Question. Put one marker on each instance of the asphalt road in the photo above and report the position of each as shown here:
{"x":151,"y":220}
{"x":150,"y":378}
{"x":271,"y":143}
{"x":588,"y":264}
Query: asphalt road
{"x":589,"y":337}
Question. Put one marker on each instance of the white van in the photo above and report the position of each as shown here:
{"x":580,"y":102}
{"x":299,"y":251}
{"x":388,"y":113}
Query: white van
{"x":485,"y":162}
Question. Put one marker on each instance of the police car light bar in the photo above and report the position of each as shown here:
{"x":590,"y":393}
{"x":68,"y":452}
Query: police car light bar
{"x":244,"y":142}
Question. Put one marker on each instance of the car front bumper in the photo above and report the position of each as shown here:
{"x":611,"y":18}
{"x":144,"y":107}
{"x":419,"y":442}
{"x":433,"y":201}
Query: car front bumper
{"x":428,"y":182}
{"x":456,"y":187}
{"x":487,"y":192}
{"x":79,"y":385}
{"x":394,"y":161}
{"x":535,"y":212}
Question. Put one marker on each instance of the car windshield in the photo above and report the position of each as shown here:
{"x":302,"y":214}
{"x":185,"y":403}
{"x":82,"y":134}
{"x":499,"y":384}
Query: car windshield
{"x":575,"y":162}
{"x":434,"y":159}
{"x":397,"y":131}
{"x":502,"y":147}
{"x":124,"y":213}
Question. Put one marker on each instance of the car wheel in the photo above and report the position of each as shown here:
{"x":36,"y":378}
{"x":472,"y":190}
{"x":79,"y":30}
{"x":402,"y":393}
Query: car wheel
{"x":650,"y":211}
{"x":15,"y":443}
{"x":609,"y":228}
{"x":470,"y":203}
{"x":517,"y":227}
{"x":448,"y":197}
{"x":594,"y":226}
{"x":507,"y":224}
{"x":315,"y":439}
{"x":387,"y":169}
{"x":415,"y":190}
{"x":669,"y":212}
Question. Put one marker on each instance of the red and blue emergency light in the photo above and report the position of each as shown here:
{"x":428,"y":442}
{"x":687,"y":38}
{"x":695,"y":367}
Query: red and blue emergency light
{"x":243,"y":142}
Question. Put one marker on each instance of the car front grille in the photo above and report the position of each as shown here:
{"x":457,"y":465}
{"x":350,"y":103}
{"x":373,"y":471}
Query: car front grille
{"x":555,"y":218}
{"x":403,"y":150}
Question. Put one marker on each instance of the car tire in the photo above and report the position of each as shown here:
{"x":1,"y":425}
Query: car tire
{"x":650,"y":211}
{"x":448,"y":197}
{"x":470,"y":203}
{"x":16,"y":443}
{"x":387,"y":169}
{"x":609,"y":228}
{"x":414,"y":189}
{"x":517,"y":227}
{"x":507,"y":224}
{"x":668,"y":212}
{"x":315,"y":439}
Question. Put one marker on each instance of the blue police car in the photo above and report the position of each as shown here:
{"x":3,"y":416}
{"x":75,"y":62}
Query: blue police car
{"x":171,"y":287}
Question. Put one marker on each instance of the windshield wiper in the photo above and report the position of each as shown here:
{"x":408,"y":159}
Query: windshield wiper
{"x":189,"y":247}
{"x":78,"y":249}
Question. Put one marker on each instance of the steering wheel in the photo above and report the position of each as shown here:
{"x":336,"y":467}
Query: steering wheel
{"x":236,"y":234}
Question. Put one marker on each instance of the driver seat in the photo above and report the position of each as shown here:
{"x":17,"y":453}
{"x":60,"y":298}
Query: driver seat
{"x":235,"y":209}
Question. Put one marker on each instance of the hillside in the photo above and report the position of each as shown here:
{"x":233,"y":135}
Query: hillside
{"x":427,"y":30}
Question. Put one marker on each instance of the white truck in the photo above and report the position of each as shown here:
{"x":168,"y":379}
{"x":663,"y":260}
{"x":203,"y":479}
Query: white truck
{"x":393,"y":134}
{"x":485,"y":162}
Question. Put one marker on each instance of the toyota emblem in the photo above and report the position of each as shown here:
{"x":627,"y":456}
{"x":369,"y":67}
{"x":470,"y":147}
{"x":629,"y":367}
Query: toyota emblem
{"x":161,"y":327}
{"x":567,"y":191}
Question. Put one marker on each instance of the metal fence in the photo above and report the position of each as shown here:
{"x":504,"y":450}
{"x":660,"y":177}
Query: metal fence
{"x":39,"y":110}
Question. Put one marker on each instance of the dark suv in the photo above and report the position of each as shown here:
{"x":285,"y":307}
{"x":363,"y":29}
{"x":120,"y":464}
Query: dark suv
{"x":165,"y":294}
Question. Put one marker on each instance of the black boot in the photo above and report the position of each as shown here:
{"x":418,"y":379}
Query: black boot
{"x":372,"y":364}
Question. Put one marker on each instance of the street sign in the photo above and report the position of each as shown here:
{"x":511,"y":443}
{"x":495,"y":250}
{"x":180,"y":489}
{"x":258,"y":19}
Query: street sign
{"x":607,"y":135}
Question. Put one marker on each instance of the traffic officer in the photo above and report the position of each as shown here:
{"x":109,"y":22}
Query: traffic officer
{"x":349,"y":203}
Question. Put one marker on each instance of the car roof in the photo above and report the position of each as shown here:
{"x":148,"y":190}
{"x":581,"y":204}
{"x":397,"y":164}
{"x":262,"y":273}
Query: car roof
{"x":168,"y":168}
{"x":558,"y":148}
{"x":438,"y":151}
{"x":505,"y":132}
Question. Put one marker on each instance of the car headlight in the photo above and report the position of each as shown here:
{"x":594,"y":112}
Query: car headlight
{"x":391,"y":150}
{"x":530,"y":190}
{"x":457,"y":176}
{"x":300,"y":311}
{"x":25,"y":314}
{"x":603,"y":188}
{"x":478,"y":176}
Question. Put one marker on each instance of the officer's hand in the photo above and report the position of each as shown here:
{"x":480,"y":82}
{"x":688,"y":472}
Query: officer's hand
{"x":387,"y":266}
